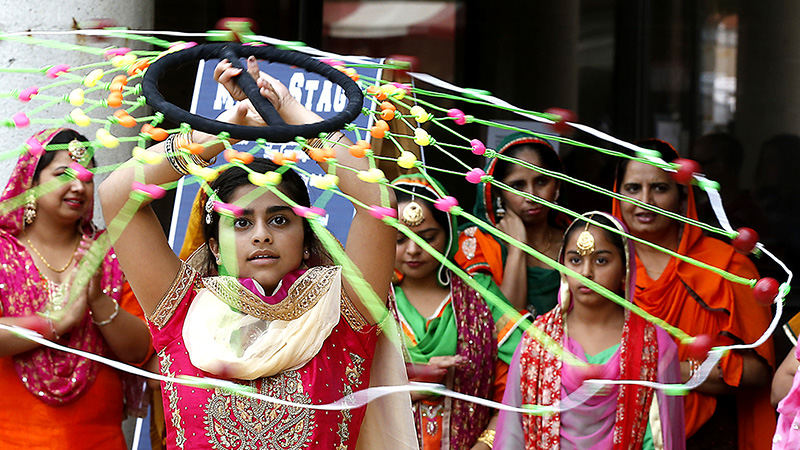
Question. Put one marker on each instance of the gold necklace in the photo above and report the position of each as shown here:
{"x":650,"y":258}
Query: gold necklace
{"x":30,"y":244}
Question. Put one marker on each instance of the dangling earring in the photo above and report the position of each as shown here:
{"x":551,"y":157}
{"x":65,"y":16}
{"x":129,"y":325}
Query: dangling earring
{"x":306,"y":254}
{"x":499,"y":208}
{"x":29,"y":214}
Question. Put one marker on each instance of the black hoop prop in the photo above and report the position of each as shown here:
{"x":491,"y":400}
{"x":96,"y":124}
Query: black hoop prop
{"x":277,"y":130}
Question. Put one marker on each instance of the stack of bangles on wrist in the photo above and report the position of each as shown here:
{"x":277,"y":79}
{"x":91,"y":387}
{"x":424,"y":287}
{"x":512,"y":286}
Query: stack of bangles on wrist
{"x":333,"y":136}
{"x":487,"y":437}
{"x":179,"y":158}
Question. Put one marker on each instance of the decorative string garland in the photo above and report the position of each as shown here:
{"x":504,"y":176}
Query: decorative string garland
{"x":94,"y":90}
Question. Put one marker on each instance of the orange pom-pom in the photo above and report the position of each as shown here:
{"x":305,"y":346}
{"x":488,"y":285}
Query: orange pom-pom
{"x":372,"y":90}
{"x":388,"y":105}
{"x":379,"y":130}
{"x":318,"y":154}
{"x":380,"y":95}
{"x":114,"y":99}
{"x":278,"y":158}
{"x":195,"y":148}
{"x":291,"y":156}
{"x":138,"y":67}
{"x":229,"y":155}
{"x":357,"y":151}
{"x":158,"y":134}
{"x":124,"y":119}
{"x":245,"y":157}
{"x":387,"y":114}
{"x":146,"y":128}
{"x":122,"y":79}
{"x":116,"y":86}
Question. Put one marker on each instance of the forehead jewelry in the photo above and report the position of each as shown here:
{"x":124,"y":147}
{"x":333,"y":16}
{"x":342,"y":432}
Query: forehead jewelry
{"x":585,"y":242}
{"x":77,"y":151}
{"x":413,"y":214}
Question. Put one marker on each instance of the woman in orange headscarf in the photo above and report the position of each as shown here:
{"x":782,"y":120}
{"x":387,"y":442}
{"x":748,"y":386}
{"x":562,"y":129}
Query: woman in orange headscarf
{"x":699,"y":302}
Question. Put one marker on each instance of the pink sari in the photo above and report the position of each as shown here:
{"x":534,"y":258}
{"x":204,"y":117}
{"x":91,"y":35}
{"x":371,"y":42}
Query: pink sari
{"x":52,"y":376}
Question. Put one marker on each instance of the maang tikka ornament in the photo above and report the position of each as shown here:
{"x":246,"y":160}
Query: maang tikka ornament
{"x":77,"y":151}
{"x":585,"y":242}
{"x":413,"y":214}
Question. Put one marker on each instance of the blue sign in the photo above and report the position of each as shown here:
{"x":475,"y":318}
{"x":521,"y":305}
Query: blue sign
{"x":314,"y":92}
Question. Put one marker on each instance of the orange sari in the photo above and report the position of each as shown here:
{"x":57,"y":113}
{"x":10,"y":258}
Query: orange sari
{"x":700,"y":302}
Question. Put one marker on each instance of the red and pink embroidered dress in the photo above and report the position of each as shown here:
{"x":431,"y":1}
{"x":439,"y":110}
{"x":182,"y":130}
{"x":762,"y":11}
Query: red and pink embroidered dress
{"x":201,"y":418}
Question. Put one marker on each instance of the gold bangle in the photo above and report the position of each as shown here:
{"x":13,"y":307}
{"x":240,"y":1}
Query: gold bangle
{"x":487,"y":437}
{"x":110,"y":318}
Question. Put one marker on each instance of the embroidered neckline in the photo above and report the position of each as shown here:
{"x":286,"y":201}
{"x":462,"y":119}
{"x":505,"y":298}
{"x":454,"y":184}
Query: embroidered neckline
{"x":303,"y":294}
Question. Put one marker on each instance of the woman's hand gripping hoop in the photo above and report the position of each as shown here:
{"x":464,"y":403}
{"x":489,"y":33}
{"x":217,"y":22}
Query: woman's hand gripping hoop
{"x":277,"y":131}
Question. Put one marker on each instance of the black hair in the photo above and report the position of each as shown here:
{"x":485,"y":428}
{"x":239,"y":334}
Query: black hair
{"x":439,"y":216}
{"x":63,"y":137}
{"x":230,"y":179}
{"x":667,"y":152}
{"x":544,"y":151}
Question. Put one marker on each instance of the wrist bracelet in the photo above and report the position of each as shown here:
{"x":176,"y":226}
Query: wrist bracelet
{"x":694,"y":366}
{"x":487,"y":437}
{"x":319,"y":143}
{"x":178,"y":157}
{"x":110,"y":318}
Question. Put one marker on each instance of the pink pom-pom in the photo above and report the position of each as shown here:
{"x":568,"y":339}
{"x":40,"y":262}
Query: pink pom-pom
{"x":457,"y":115}
{"x":112,"y":52}
{"x":765,"y":290}
{"x":304,"y":211}
{"x":35,"y":147}
{"x":477,"y":147}
{"x":332,"y":61}
{"x":474,"y":176}
{"x":83,"y":174}
{"x":182,"y":45}
{"x":150,"y":190}
{"x":446,"y":203}
{"x":57,"y":70}
{"x":228,"y":209}
{"x":402,"y":86}
{"x":699,"y":347}
{"x":27,"y":93}
{"x":686,"y":170}
{"x":21,"y":120}
{"x":382,"y":212}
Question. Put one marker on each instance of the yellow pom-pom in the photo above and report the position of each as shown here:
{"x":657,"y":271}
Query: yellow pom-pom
{"x":207,"y":173}
{"x":406,"y":160}
{"x":80,"y":118}
{"x":76,"y":97}
{"x":421,"y":137}
{"x":93,"y":77}
{"x":419,"y":113}
{"x":146,"y":156}
{"x":259,"y":179}
{"x":123,"y":60}
{"x":373,"y":175}
{"x":324,"y":182}
{"x":107,"y":139}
